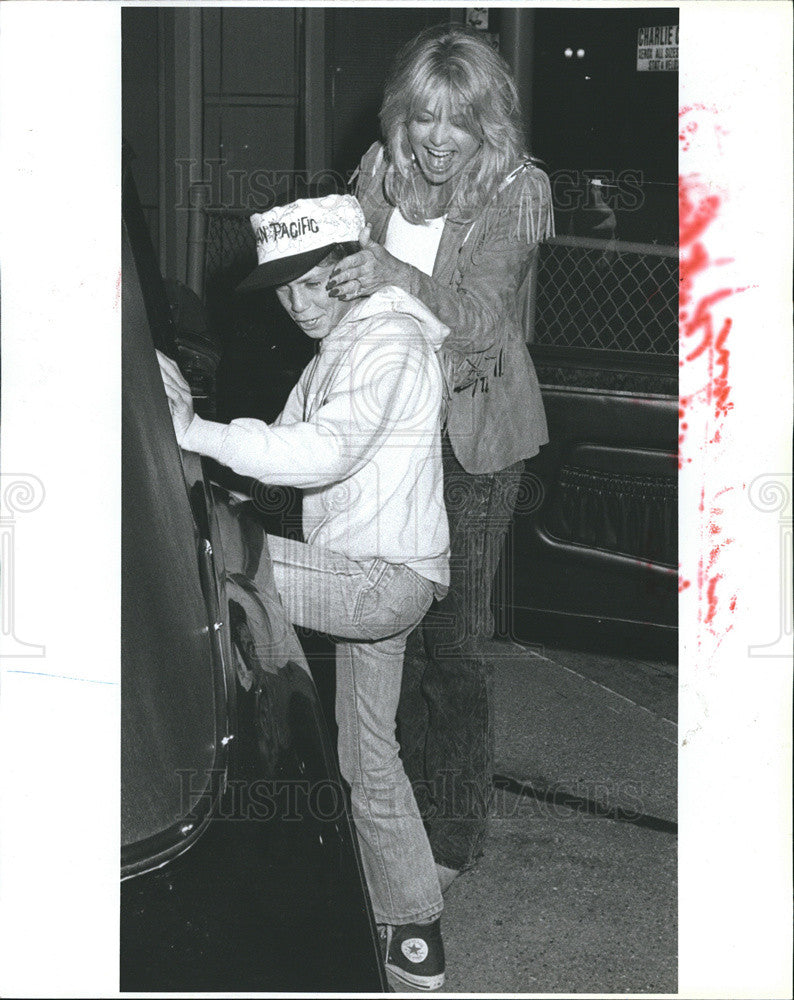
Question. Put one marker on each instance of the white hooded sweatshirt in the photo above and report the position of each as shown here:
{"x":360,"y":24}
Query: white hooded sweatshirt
{"x":360,"y":433}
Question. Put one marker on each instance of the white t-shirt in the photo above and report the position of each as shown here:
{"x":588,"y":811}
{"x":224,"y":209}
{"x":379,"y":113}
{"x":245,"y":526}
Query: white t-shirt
{"x":414,"y":244}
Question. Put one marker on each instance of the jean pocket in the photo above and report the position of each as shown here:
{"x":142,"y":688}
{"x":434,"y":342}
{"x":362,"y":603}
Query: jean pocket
{"x":393,"y":598}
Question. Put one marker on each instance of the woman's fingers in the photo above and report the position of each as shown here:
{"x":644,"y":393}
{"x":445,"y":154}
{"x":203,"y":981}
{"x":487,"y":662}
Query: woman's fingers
{"x":369,"y":267}
{"x":351,"y":267}
{"x":363,"y":272}
{"x":354,"y":280}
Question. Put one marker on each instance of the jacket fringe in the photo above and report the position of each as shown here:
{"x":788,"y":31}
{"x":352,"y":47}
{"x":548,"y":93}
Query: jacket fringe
{"x":533,"y":211}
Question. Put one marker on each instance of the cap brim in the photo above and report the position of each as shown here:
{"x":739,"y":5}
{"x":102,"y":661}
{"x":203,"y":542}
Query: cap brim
{"x":279,"y":272}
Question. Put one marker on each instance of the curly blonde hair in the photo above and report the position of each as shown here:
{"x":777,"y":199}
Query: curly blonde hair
{"x":453,"y":66}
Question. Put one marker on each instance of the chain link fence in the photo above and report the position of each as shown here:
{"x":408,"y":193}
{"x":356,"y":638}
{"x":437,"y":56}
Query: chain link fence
{"x":607,"y":295}
{"x":230,"y":250}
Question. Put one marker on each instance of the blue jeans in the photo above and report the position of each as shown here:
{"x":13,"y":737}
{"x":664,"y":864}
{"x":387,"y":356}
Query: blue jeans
{"x":445,"y":715}
{"x":370,"y":608}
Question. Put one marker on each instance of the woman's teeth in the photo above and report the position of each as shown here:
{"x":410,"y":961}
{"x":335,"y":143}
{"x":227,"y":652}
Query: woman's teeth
{"x":439,"y":156}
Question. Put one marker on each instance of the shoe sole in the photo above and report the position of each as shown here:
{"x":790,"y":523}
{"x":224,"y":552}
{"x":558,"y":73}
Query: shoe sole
{"x":418,"y":982}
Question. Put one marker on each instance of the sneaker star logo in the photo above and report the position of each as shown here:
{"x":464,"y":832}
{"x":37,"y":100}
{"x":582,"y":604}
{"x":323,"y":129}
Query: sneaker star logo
{"x":414,"y":949}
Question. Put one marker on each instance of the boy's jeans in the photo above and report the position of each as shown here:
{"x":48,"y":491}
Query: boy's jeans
{"x":370,"y":608}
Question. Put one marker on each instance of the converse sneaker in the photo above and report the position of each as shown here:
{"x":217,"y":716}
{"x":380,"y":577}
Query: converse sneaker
{"x":415,"y":954}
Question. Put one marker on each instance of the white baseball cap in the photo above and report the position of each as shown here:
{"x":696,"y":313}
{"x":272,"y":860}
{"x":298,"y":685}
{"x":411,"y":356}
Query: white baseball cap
{"x":292,"y":239}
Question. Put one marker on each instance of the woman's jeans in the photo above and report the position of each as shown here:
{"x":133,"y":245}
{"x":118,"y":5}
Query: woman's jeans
{"x":445,"y":715}
{"x":370,"y":608}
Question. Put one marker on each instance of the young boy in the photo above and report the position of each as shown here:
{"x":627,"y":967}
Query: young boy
{"x":360,"y":434}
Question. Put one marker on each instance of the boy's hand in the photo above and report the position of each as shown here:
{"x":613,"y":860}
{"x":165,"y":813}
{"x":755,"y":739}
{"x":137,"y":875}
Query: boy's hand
{"x":180,"y":400}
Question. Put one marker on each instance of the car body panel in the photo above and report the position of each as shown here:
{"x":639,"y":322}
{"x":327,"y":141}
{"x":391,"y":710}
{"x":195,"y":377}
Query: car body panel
{"x":240,"y":864}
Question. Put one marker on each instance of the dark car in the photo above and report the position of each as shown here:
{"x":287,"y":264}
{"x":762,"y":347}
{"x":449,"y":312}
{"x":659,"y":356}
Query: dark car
{"x":239,"y":862}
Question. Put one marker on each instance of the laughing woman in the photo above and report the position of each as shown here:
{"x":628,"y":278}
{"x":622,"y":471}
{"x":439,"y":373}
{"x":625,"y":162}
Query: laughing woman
{"x":456,"y":209}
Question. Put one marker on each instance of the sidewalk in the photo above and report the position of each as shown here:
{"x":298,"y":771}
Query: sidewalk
{"x":577,"y":891}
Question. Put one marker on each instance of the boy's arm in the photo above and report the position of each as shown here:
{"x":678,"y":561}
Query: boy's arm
{"x":381,"y":388}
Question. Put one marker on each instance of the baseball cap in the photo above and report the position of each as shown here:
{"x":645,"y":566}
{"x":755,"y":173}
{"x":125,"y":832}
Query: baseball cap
{"x":292,"y":239}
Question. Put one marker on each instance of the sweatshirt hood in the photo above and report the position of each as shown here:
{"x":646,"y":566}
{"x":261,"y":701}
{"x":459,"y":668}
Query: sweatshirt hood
{"x":395,"y":300}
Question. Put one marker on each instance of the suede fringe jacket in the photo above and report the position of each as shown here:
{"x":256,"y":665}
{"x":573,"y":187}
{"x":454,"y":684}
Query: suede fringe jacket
{"x":496,"y":415}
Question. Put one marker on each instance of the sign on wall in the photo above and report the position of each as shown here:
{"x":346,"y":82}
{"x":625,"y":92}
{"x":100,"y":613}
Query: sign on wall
{"x":657,"y":49}
{"x":477,"y":18}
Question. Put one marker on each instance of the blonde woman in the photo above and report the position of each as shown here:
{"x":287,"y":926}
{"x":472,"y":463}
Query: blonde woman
{"x":455,"y":211}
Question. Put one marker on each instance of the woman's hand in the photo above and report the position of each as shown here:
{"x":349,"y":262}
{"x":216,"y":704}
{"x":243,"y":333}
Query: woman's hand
{"x":180,"y":399}
{"x":371,"y":268}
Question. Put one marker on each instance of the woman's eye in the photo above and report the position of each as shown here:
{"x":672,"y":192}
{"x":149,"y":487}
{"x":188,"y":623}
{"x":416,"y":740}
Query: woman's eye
{"x":423,"y":119}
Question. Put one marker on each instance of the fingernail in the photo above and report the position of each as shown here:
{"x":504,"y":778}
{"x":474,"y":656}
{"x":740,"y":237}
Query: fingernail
{"x":333,"y":293}
{"x":331,"y":284}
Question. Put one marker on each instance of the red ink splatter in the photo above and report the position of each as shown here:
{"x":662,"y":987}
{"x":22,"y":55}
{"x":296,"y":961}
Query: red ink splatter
{"x":700,"y":339}
{"x":118,"y":292}
{"x":689,"y":127}
{"x":711,"y":598}
{"x":685,"y":110}
{"x":695,"y":215}
{"x":683,"y":136}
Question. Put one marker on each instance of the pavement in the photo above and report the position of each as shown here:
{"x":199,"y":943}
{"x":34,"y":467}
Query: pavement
{"x":577,"y":892}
